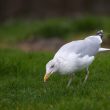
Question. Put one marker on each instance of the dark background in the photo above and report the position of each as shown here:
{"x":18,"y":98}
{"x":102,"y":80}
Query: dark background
{"x":47,"y":24}
{"x":40,"y":9}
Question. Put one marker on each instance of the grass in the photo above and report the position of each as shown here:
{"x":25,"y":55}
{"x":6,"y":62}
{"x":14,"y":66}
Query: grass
{"x":22,"y":86}
{"x":14,"y":31}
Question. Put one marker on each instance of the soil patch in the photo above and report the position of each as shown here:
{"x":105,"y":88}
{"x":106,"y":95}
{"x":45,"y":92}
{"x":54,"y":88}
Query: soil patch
{"x":43,"y":44}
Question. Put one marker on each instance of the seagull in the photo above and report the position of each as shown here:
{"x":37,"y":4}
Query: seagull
{"x":75,"y":56}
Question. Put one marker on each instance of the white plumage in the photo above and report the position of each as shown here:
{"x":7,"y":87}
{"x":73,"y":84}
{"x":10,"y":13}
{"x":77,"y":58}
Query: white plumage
{"x":75,"y":56}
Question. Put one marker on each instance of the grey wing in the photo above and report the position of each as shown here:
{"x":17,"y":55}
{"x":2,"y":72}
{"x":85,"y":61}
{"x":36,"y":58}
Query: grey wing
{"x":82,"y":47}
{"x":88,"y":48}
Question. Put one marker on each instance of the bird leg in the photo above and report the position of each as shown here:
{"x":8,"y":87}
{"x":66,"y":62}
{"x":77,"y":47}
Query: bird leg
{"x":87,"y":74}
{"x":70,"y":80}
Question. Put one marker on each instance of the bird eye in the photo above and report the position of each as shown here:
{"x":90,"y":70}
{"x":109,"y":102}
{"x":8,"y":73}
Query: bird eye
{"x":52,"y":66}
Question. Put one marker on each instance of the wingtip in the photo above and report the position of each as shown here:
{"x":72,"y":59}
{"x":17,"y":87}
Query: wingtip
{"x":103,"y":49}
{"x":100,"y":33}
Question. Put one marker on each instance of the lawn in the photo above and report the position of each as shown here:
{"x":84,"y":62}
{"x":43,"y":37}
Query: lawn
{"x":22,"y":86}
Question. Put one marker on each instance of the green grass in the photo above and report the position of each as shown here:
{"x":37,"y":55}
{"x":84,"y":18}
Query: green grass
{"x":14,"y":31}
{"x":22,"y":86}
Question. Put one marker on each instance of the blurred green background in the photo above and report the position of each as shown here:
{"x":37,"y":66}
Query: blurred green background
{"x":31,"y":31}
{"x":24,"y":23}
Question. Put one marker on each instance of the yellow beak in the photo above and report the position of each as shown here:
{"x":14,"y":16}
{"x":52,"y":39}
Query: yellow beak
{"x":46,"y":77}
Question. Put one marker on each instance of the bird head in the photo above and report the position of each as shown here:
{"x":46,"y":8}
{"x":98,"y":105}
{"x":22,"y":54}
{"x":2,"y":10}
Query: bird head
{"x":51,"y":67}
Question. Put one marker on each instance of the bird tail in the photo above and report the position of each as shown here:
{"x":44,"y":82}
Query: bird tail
{"x":100,"y":33}
{"x":103,"y":49}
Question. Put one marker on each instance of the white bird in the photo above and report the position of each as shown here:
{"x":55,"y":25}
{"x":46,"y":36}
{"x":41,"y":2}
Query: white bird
{"x":75,"y":56}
